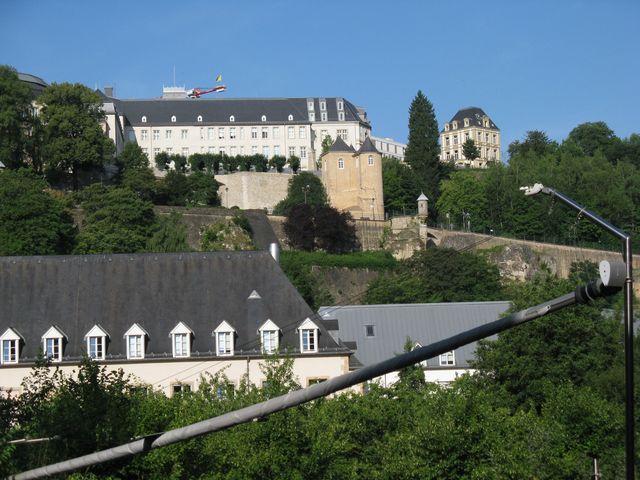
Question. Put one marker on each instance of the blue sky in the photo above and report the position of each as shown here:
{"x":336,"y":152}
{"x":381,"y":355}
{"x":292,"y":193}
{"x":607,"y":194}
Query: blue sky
{"x":547,"y":65}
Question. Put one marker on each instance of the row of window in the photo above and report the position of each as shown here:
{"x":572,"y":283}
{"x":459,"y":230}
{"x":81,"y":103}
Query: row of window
{"x":370,"y":162}
{"x":136,"y":340}
{"x":301,"y":152}
{"x":233,"y":133}
{"x":487,"y":139}
{"x":323,"y":105}
{"x":263,"y":118}
{"x":484,"y":153}
{"x":454,"y":124}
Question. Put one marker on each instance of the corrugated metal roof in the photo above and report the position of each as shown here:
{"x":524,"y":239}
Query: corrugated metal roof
{"x":422,"y":323}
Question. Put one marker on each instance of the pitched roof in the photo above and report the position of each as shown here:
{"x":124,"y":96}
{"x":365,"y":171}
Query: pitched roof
{"x":422,"y":323}
{"x":340,"y":146}
{"x":474,"y":114}
{"x":368,"y":146}
{"x":156,"y":291}
{"x":220,"y":110}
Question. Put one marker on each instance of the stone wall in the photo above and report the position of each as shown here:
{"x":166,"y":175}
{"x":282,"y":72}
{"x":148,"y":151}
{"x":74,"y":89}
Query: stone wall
{"x":253,"y":190}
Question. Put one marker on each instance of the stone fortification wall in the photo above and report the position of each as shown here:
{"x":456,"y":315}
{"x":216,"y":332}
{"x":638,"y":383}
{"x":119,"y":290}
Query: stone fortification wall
{"x":253,"y":190}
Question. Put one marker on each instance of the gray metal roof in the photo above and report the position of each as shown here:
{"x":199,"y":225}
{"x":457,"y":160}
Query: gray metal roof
{"x":219,"y":111}
{"x":156,"y":291}
{"x":474,"y":114}
{"x":422,"y":323}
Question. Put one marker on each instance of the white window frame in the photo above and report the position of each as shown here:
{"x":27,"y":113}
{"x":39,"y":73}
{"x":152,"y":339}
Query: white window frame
{"x":254,"y":132}
{"x":269,"y":337}
{"x":167,"y":134}
{"x":225,"y":333}
{"x":144,"y":134}
{"x":139,"y":334}
{"x":99,"y":335}
{"x":292,"y":151}
{"x":184,"y":134}
{"x":341,"y":116}
{"x":199,"y":119}
{"x":173,"y":119}
{"x":12,"y":339}
{"x":55,"y":337}
{"x":323,"y":116}
{"x":181,"y":337}
{"x":308,"y":332}
{"x":303,"y":152}
{"x":221,"y":133}
{"x":302,"y":132}
{"x":341,"y":164}
{"x":156,"y":134}
{"x":232,"y":133}
{"x":144,"y":119}
{"x":447,"y":359}
{"x":291,"y":132}
{"x":370,"y":160}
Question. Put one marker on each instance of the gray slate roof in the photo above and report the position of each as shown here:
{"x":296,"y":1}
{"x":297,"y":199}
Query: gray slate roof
{"x":368,"y":146}
{"x":36,"y":83}
{"x":474,"y":114}
{"x":156,"y":291}
{"x":340,"y":146}
{"x":218,"y":111}
{"x":422,"y":323}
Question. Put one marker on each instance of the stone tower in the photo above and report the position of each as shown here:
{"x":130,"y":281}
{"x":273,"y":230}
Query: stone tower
{"x":353,"y":179}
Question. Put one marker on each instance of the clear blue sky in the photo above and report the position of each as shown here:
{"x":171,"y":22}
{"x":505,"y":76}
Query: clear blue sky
{"x":543,"y":64}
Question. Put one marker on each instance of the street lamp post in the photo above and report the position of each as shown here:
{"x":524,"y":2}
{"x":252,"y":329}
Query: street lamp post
{"x":628,"y":314}
{"x":306,"y":189}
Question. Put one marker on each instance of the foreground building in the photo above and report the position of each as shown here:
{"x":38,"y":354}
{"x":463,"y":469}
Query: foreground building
{"x":379,"y":332}
{"x":167,"y":319}
{"x":177,"y":124}
{"x":470,"y":123}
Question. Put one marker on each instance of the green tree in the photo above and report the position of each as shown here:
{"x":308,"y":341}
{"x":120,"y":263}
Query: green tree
{"x":536,"y":141}
{"x":422,"y":152}
{"x":294,"y":163}
{"x":303,"y":188}
{"x":278,"y":162}
{"x":470,"y":150}
{"x":412,"y":376}
{"x":323,"y":228}
{"x":132,"y":158}
{"x":401,"y":187}
{"x":464,"y":192}
{"x":32,"y":222}
{"x":142,"y":181}
{"x":327,"y":141}
{"x":116,"y":221}
{"x":73,"y":136}
{"x":15,"y":118}
{"x":438,"y":275}
{"x":593,"y":136}
{"x":169,"y":234}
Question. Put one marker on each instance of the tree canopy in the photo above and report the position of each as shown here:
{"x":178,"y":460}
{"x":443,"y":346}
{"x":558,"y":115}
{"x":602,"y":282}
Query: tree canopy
{"x":401,"y":187}
{"x":15,"y":118}
{"x":303,"y":188}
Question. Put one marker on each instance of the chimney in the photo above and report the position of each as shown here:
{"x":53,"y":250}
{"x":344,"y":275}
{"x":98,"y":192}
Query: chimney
{"x":274,"y":250}
{"x":108,"y":91}
{"x":255,"y":312}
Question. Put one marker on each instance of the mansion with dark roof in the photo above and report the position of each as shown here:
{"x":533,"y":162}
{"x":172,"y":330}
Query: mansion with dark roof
{"x":470,"y":124}
{"x":177,"y":124}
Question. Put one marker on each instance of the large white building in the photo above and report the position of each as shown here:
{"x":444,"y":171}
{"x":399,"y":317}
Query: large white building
{"x":470,"y":123}
{"x":389,"y":147}
{"x":177,"y":124}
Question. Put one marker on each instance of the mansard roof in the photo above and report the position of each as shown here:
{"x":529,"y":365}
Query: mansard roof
{"x":218,"y":111}
{"x":154,"y":291}
{"x":368,"y":146}
{"x":474,"y":114}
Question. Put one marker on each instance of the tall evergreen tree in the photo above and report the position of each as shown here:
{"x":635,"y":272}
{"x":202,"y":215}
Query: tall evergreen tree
{"x":422,"y":151}
{"x":15,"y":117}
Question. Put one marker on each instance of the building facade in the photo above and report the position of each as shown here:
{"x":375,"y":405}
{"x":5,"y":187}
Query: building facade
{"x":167,"y":319}
{"x":470,"y":124}
{"x":353,"y":179}
{"x":289,"y":127}
{"x":389,"y":147}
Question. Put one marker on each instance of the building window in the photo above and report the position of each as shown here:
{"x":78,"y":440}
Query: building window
{"x":276,"y":132}
{"x":479,"y":136}
{"x":308,"y":340}
{"x":455,"y":139}
{"x":254,"y":132}
{"x":184,"y":134}
{"x":323,"y":105}
{"x":303,"y":152}
{"x":9,"y":351}
{"x":232,"y":133}
{"x":232,"y":151}
{"x":52,"y":343}
{"x":269,"y":341}
{"x":146,"y":152}
{"x":312,"y":116}
{"x":265,"y":132}
{"x":199,"y":118}
{"x":340,"y":163}
{"x":135,"y":339}
{"x":254,"y":149}
{"x":185,"y":151}
{"x":466,"y":122}
{"x":232,"y":118}
{"x":291,"y":132}
{"x":369,"y":330}
{"x":211,"y":149}
{"x":292,"y":151}
{"x":276,"y":150}
{"x":144,"y":134}
{"x":340,"y":105}
{"x":265,"y":151}
{"x":180,"y":388}
{"x":455,"y":125}
{"x":323,"y":116}
{"x":370,"y":160}
{"x":455,"y":155}
{"x":156,"y":151}
{"x":144,"y":119}
{"x":341,"y":116}
{"x":264,"y":118}
{"x":302,"y":133}
{"x":310,"y":106}
{"x":495,"y":139}
{"x":221,"y":150}
{"x":466,"y":136}
{"x":173,"y":119}
{"x":314,"y":381}
{"x":447,"y":359}
{"x":486,"y":136}
{"x":221,"y":133}
{"x":96,"y":343}
{"x":210,"y":134}
{"x":446,"y":141}
{"x":181,"y":340}
{"x":343,"y":134}
{"x":225,"y":343}
{"x":156,"y":134}
{"x":446,"y":127}
{"x":169,"y":150}
{"x":290,"y":118}
{"x":241,"y":133}
{"x":167,"y":134}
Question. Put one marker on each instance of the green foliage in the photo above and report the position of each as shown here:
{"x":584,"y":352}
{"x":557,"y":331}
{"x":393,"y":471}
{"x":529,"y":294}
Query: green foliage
{"x":229,"y":234}
{"x":535,"y":141}
{"x":132,"y":158}
{"x":32,"y":222}
{"x":371,"y":260}
{"x":303,"y":188}
{"x":327,"y":141}
{"x":423,"y":152}
{"x":142,"y":181}
{"x":411,"y":377}
{"x":116,"y":221}
{"x":169,"y":234}
{"x":470,"y":150}
{"x":401,"y":186}
{"x":294,"y":163}
{"x":464,"y":192}
{"x":278,"y":162}
{"x":438,"y":275}
{"x":178,"y":189}
{"x":73,"y":137}
{"x":307,"y":282}
{"x":15,"y":118}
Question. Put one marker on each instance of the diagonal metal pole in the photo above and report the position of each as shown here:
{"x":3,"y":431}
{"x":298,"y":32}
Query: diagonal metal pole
{"x":583,"y":294}
{"x":630,"y":449}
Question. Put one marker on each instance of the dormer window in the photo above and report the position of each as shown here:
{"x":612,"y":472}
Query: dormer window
{"x":466,"y":122}
{"x":53,"y":343}
{"x":323,"y":105}
{"x":181,"y":340}
{"x":448,"y":359}
{"x":323,"y":116}
{"x":446,"y":127}
{"x":455,"y":125}
{"x":136,"y":339}
{"x":269,"y":337}
{"x":96,"y":343}
{"x":232,"y":118}
{"x":264,"y":118}
{"x":144,"y":119}
{"x":224,"y":335}
{"x":312,"y":116}
{"x":10,"y":341}
{"x":199,"y":118}
{"x":340,"y":105}
{"x":341,"y":116}
{"x":290,"y":118}
{"x":310,"y":106}
{"x":308,"y":336}
{"x":173,"y":119}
